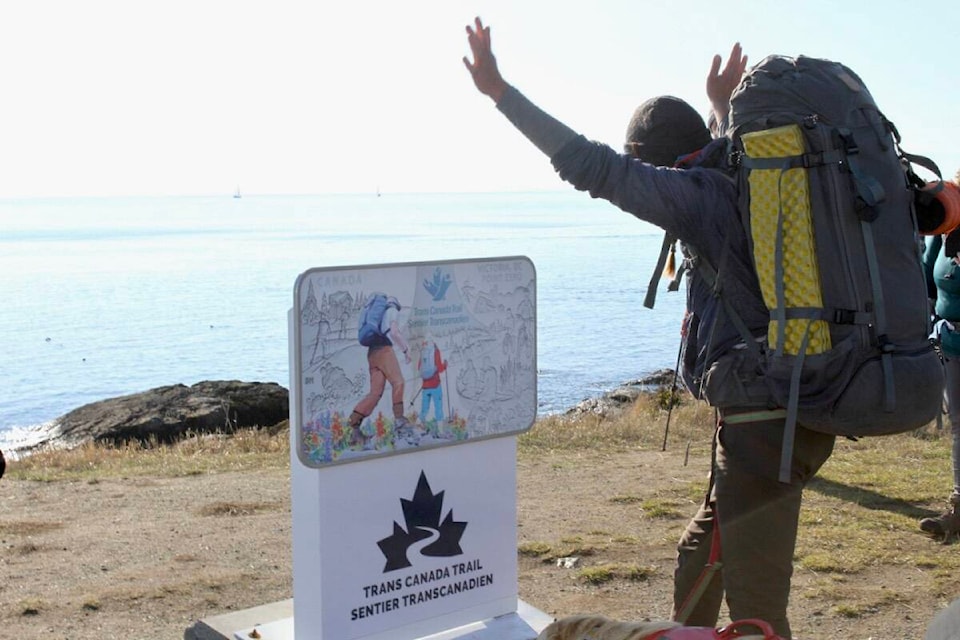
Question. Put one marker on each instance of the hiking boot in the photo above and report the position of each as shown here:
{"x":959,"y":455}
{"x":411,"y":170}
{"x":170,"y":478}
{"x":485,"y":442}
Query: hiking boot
{"x":358,"y":439}
{"x":406,"y":431}
{"x":947,"y":524}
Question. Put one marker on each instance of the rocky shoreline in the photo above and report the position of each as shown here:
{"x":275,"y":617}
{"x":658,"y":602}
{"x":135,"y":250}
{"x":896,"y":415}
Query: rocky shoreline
{"x":165,"y":414}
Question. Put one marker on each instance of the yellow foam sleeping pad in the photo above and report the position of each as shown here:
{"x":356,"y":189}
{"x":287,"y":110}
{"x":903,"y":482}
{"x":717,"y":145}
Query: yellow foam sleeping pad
{"x":773,"y":190}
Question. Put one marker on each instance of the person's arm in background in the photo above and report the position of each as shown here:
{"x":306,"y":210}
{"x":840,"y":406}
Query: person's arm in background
{"x":720,"y":86}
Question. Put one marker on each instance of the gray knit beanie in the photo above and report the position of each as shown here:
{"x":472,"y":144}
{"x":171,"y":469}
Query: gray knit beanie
{"x":665,"y":128}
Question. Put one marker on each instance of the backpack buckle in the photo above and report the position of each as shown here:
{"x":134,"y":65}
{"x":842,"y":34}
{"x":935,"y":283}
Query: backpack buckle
{"x":885,"y":345}
{"x":844,"y":316}
{"x":848,"y":141}
{"x":734,"y":157}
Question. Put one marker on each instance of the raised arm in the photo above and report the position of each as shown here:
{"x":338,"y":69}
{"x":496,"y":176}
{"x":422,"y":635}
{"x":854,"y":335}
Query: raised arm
{"x":483,"y":69}
{"x":674,"y":200}
{"x":720,"y":85}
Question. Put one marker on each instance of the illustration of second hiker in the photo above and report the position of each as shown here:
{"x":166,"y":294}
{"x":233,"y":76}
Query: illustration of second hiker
{"x":431,"y":365}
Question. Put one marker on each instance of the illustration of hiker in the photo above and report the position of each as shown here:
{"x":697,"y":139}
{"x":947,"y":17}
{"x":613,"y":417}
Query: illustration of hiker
{"x":379,"y":331}
{"x":431,"y":365}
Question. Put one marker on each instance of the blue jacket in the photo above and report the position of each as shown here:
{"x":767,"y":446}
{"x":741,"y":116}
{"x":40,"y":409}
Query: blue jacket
{"x":944,"y":276}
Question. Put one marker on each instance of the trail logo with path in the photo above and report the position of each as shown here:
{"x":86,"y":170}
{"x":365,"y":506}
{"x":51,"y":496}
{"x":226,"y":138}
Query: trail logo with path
{"x":424,"y":534}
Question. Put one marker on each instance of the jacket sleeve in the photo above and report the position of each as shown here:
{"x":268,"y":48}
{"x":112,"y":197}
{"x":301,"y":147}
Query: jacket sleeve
{"x":674,"y":200}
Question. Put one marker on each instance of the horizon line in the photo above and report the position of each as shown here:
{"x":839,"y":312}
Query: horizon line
{"x":232,"y":196}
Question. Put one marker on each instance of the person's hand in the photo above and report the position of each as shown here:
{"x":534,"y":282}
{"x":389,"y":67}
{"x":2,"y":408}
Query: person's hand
{"x":484,"y":70}
{"x":720,"y":85}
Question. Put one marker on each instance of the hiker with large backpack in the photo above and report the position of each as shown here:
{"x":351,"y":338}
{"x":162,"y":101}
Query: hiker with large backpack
{"x":740,"y":337}
{"x":378,"y":329}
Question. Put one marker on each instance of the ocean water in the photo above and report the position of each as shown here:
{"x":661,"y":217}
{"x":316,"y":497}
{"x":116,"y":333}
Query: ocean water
{"x":109,"y":296}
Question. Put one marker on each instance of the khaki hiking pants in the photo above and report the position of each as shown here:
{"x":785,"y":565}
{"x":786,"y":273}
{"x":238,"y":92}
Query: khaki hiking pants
{"x":758,"y":524}
{"x":384,"y":367}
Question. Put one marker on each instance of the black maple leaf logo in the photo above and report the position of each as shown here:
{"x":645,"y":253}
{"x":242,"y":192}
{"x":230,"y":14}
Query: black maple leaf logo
{"x":422,"y":518}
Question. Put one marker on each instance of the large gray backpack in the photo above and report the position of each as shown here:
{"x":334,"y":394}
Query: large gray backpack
{"x":827,"y":199}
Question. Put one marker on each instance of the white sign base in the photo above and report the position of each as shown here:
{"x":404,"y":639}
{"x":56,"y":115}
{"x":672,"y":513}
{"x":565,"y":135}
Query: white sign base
{"x":402,"y":547}
{"x":525,"y":623}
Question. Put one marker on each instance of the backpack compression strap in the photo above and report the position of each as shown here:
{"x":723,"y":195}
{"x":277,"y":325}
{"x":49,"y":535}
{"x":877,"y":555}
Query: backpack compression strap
{"x":871,"y":194}
{"x":650,"y":298}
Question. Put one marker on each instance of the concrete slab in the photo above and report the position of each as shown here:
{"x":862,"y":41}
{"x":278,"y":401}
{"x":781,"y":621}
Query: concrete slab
{"x":222,"y":627}
{"x":946,"y":624}
{"x":275,"y":622}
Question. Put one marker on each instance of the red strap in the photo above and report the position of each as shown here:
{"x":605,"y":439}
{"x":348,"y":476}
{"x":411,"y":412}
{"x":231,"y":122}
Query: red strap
{"x":713,"y":565}
{"x":731,"y":630}
{"x":715,"y":539}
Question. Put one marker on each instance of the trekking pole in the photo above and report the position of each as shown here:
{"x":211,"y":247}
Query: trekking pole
{"x":447,"y":394}
{"x":673,"y":390}
{"x":415,"y":395}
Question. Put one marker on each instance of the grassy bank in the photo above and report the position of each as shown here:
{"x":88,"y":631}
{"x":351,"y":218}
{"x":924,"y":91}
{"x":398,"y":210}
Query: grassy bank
{"x":892,"y":474}
{"x":640,"y":425}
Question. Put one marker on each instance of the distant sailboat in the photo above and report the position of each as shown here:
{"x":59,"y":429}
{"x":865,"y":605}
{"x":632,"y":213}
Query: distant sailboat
{"x":236,"y":194}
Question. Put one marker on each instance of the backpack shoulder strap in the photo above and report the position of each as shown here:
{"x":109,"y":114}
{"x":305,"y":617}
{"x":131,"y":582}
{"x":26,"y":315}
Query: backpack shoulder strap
{"x":712,"y":277}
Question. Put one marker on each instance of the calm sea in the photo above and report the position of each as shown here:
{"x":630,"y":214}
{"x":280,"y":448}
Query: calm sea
{"x":106,"y":297}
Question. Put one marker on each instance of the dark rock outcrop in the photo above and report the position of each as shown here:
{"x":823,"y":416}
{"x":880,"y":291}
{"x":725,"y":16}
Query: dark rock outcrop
{"x":166,"y":414}
{"x":624,"y":395}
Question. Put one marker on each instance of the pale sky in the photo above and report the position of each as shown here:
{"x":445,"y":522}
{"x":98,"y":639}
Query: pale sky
{"x":183,"y":97}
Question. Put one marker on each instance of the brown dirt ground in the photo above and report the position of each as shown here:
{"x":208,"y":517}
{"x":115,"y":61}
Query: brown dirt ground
{"x":146,"y":557}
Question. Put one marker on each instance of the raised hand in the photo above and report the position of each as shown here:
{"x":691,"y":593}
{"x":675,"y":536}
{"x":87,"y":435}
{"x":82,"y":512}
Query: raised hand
{"x":720,"y":86}
{"x":483,"y":69}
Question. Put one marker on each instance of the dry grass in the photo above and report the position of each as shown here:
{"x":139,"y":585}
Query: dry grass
{"x":244,"y":450}
{"x":859,"y":554}
{"x":886,"y":476}
{"x":608,"y":572}
{"x":642,"y":425}
{"x":27,"y":527}
{"x":237,"y":508}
